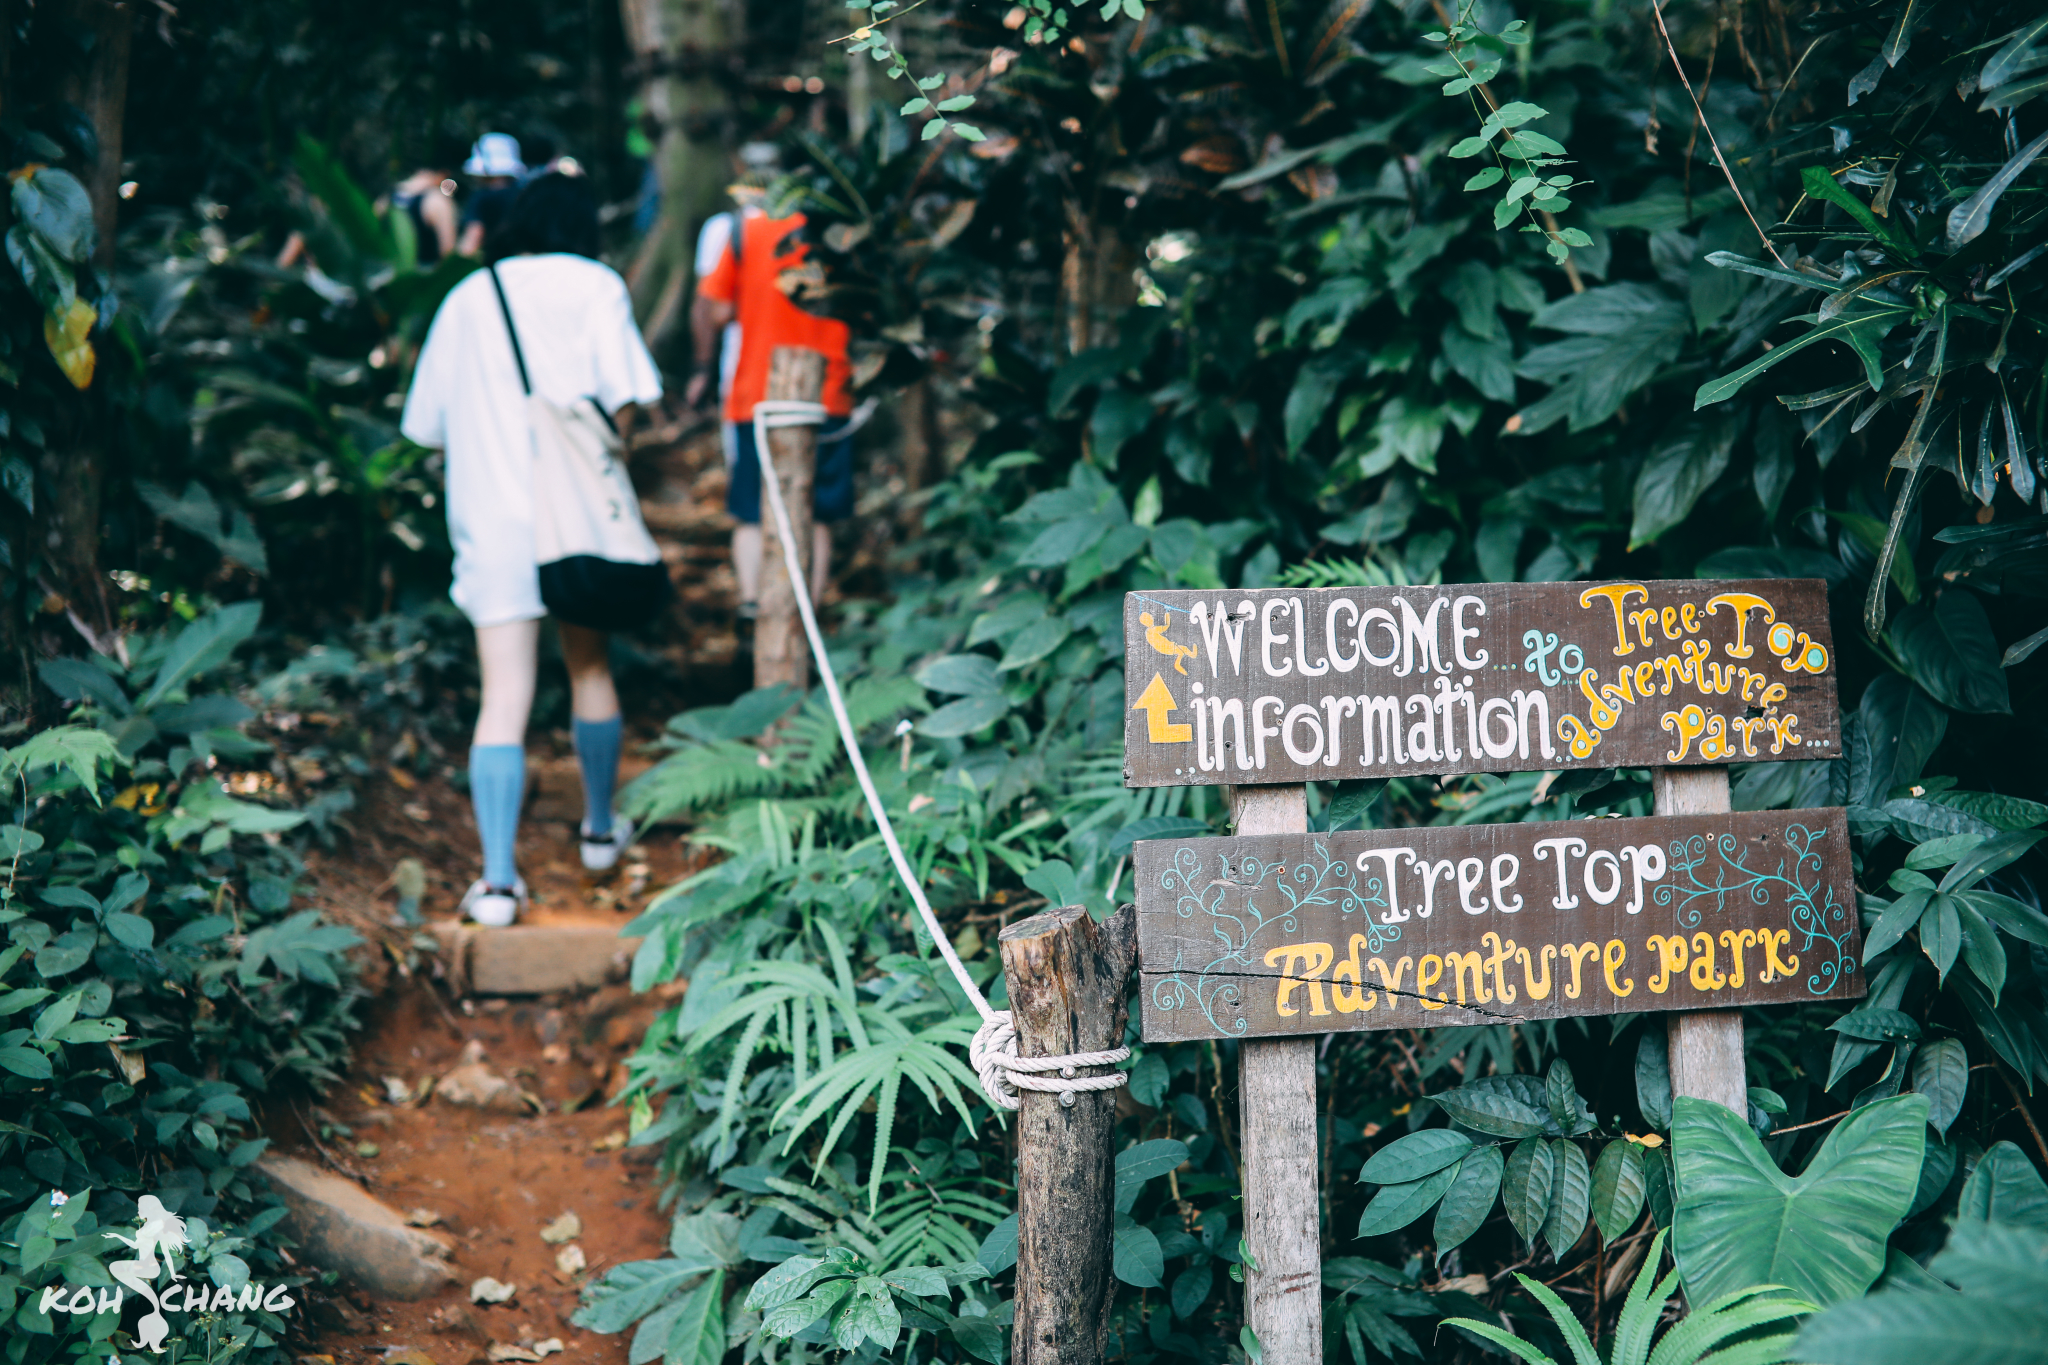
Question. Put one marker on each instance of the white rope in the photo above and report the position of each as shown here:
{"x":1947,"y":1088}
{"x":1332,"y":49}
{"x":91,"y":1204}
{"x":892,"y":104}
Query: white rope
{"x":994,"y":1048}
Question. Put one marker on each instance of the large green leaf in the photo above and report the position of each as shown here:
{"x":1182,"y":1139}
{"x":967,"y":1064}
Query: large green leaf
{"x":1852,"y":328}
{"x":1469,"y":1199}
{"x":1531,"y":1175}
{"x":1570,"y":1198}
{"x":1680,"y":467}
{"x":1396,"y":1206}
{"x":1415,"y":1156}
{"x":1618,"y":1187}
{"x":2005,"y":1188}
{"x":1741,"y":1221}
{"x":203,"y":645}
{"x":1902,"y":1327}
{"x":1947,"y":645}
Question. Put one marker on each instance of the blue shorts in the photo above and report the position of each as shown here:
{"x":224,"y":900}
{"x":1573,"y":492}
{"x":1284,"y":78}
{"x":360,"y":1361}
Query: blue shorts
{"x":831,"y":491}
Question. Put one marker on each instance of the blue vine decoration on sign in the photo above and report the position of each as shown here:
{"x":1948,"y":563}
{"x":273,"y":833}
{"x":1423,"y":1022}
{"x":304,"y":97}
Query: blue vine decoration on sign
{"x":1715,"y":868}
{"x":1239,"y":932}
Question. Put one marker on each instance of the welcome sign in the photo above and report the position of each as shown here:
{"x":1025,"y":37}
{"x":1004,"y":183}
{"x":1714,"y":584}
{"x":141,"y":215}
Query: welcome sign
{"x":1283,"y":685}
{"x":1267,"y":935}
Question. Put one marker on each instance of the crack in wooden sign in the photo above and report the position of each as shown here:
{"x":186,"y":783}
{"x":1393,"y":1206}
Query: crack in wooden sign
{"x":1268,"y":935}
{"x":1286,"y":685}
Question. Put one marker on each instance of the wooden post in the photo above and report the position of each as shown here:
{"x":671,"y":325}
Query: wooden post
{"x":1066,"y":976}
{"x":780,"y":652}
{"x":1705,"y":1045}
{"x":1276,"y":1086}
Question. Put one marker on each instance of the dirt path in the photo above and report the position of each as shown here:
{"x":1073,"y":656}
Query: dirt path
{"x":491,"y":1179}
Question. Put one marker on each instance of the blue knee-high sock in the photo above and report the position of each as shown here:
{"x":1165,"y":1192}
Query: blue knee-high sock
{"x":497,"y":783}
{"x":597,"y":753}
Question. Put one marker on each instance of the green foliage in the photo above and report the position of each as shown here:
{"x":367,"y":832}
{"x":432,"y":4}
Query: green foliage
{"x":152,"y":985}
{"x":1742,"y":1222}
{"x":1979,"y":1302}
{"x":1708,"y":1327}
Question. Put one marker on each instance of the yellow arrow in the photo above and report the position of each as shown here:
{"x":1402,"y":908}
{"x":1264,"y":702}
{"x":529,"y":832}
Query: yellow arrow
{"x":1156,"y":702}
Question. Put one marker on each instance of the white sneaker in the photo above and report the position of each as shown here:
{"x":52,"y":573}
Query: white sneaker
{"x":494,"y":907}
{"x":601,"y":851}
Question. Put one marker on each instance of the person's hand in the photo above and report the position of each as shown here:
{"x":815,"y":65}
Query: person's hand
{"x":693,"y":392}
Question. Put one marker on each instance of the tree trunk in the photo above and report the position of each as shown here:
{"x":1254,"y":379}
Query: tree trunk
{"x":1097,"y":279}
{"x":781,"y":653}
{"x":74,"y":467}
{"x":1705,"y":1045}
{"x":1066,"y":977}
{"x":683,"y":47}
{"x":918,"y":447}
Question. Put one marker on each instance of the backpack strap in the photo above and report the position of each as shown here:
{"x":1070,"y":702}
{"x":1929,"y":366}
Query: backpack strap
{"x":525,"y":384}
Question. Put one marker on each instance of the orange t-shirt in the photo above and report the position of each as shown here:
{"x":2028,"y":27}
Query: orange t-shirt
{"x":768,"y":319}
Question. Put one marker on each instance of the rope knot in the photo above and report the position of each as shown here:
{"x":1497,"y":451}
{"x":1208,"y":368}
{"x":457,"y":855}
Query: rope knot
{"x":1003,"y":1073}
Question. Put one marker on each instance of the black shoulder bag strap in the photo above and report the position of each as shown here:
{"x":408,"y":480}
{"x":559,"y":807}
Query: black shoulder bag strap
{"x":525,"y":385}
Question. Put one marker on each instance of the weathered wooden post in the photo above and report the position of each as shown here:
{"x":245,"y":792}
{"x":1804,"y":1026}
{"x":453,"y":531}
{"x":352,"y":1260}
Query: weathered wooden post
{"x":1705,"y":1045}
{"x":1066,"y":976}
{"x":781,"y":654}
{"x":1276,"y":1087}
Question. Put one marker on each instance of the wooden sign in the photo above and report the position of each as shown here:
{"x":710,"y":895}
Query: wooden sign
{"x":1269,"y":935}
{"x":1284,"y":685}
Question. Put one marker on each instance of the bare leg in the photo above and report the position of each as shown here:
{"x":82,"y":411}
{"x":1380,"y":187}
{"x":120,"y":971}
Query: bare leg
{"x":507,"y":655}
{"x":585,"y":651}
{"x":746,"y":561}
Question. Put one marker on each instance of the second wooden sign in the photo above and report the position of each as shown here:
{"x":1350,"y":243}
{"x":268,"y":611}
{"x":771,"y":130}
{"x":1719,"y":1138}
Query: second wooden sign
{"x":1268,"y":935}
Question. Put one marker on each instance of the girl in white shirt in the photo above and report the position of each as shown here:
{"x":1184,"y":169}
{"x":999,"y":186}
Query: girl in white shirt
{"x":575,"y":324}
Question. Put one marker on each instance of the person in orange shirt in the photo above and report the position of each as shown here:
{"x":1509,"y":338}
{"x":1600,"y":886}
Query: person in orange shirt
{"x":761,"y":266}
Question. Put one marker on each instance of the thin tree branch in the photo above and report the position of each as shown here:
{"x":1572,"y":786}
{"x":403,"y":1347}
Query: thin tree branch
{"x":1658,"y":7}
{"x":2025,"y":1113}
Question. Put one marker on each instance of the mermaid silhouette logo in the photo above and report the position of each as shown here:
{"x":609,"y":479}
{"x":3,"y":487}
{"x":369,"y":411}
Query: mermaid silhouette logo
{"x":162,"y":1232}
{"x":160,"y":1243}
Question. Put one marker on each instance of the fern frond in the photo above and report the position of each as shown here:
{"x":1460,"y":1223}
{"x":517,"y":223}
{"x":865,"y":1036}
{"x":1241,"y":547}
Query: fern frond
{"x":736,"y":1070}
{"x":885,"y":1128}
{"x":1567,"y":1324}
{"x":698,"y":776}
{"x":1705,"y":1328}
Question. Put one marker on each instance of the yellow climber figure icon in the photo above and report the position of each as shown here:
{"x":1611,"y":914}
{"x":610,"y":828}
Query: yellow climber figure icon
{"x":1155,"y":636}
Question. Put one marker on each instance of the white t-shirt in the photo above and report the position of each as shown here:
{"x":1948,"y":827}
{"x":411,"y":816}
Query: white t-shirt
{"x":711,"y":243}
{"x":575,"y":322}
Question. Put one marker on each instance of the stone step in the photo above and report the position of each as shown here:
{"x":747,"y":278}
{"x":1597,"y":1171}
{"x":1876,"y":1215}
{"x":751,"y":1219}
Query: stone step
{"x":532,"y":959}
{"x":341,"y":1227}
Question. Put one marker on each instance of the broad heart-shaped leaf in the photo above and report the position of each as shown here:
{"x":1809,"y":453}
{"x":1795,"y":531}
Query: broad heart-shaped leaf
{"x":1396,"y":1206}
{"x":1415,"y":1156}
{"x":1941,"y":1072}
{"x":1469,"y":1199}
{"x":1741,"y":1221}
{"x":1504,"y":1106}
{"x":1570,"y":1198}
{"x":1619,"y":1186}
{"x":2005,"y":1188}
{"x":1530,"y":1177}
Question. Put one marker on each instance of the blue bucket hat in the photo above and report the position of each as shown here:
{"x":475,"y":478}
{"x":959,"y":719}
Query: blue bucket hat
{"x":494,"y":154}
